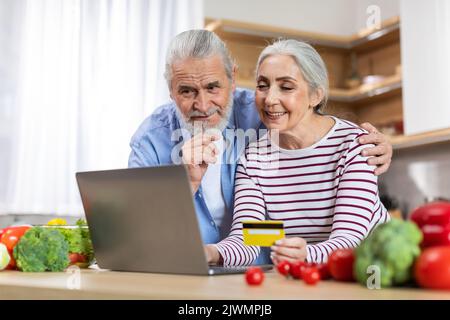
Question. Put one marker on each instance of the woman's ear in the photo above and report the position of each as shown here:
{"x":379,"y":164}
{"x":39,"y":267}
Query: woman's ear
{"x":316,"y":97}
{"x":233,"y":78}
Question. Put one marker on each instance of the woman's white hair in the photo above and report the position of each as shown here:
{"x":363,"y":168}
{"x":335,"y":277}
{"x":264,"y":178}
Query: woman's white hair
{"x":308,"y":60}
{"x":197,"y":44}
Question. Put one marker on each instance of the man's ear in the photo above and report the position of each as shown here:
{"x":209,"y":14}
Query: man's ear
{"x":171,"y":92}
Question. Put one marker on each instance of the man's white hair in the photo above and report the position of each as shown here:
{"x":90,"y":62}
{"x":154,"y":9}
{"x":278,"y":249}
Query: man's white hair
{"x":198,"y":44}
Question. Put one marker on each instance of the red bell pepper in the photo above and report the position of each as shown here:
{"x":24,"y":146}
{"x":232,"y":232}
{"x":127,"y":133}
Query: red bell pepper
{"x":435,"y":235}
{"x":435,"y":213}
{"x":433,"y":220}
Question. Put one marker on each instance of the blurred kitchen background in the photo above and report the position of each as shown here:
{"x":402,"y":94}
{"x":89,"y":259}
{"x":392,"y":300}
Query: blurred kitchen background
{"x":78,"y":76}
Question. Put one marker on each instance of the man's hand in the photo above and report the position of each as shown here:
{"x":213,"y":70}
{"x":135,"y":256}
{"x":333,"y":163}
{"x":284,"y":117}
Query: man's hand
{"x":381,"y":154}
{"x":198,"y":153}
{"x":289,"y":249}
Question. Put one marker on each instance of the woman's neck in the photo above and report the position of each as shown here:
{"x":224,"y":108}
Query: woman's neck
{"x":306,"y":133}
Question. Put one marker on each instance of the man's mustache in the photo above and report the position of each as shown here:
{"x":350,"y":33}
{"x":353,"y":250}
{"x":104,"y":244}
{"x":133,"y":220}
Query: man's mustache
{"x":197,"y":113}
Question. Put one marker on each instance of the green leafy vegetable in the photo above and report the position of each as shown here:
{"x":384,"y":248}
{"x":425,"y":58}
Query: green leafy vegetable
{"x":79,"y":239}
{"x":393,"y":247}
{"x":42,"y":249}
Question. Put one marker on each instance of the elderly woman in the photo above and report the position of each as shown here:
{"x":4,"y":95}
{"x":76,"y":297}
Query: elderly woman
{"x":307,"y":171}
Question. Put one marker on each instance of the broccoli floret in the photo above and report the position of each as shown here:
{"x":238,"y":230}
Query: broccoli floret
{"x":393,"y":247}
{"x":42,"y":249}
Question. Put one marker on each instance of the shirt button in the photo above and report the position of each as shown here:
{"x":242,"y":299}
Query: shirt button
{"x":212,"y":222}
{"x":199,"y":195}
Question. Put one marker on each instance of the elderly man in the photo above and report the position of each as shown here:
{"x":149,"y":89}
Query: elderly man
{"x":201,"y":79}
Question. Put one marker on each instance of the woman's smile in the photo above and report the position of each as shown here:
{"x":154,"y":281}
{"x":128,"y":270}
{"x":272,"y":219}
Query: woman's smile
{"x":274,"y":115}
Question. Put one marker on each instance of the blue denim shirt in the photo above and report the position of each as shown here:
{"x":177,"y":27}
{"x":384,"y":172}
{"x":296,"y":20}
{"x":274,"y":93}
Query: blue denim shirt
{"x":152,"y":145}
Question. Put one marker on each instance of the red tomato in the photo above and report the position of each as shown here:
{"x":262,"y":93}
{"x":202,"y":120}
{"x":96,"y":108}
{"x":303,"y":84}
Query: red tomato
{"x":432,"y":268}
{"x":296,"y":269}
{"x":432,"y":213}
{"x":254,"y":276}
{"x":12,"y":262}
{"x":76,"y":258}
{"x":435,"y":235}
{"x":340,"y":264}
{"x":283,"y":267}
{"x":310,"y":275}
{"x":324,"y":271}
{"x":11,"y":236}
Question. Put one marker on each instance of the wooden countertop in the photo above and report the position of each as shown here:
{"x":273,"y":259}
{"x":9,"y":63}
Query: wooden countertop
{"x":100,"y":284}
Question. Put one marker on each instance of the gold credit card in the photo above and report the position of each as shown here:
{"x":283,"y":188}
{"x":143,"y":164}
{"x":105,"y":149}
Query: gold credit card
{"x":262,"y":233}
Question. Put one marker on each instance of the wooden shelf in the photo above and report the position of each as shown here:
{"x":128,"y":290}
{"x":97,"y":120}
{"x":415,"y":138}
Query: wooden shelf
{"x":366,"y":91}
{"x":388,"y":32}
{"x":368,"y":39}
{"x":421,"y":139}
{"x":363,"y":92}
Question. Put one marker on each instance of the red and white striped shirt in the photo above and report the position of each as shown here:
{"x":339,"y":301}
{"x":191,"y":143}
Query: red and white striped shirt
{"x":325,"y":193}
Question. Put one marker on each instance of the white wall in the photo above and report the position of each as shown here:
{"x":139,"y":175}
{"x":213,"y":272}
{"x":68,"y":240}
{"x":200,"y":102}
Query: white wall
{"x":425,"y":42}
{"x":340,"y":17}
{"x":325,"y":16}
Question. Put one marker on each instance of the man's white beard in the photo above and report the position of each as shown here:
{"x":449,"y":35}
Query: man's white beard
{"x":196,"y":127}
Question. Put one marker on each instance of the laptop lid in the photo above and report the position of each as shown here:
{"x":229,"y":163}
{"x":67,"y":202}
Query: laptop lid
{"x":143,"y":220}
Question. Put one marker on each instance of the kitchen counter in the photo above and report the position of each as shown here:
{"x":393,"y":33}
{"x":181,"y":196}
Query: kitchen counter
{"x":102,"y":284}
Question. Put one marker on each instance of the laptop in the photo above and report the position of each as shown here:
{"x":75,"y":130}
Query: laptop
{"x":144,"y":220}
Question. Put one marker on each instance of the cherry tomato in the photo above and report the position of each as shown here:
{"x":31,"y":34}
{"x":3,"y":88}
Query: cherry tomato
{"x":340,"y":264}
{"x":324,"y":271}
{"x":432,"y":268}
{"x":310,"y":275}
{"x":77,"y":257}
{"x":11,"y":236}
{"x":296,"y":269}
{"x":254,"y":276}
{"x":79,"y":260}
{"x":283,"y":267}
{"x":437,"y":212}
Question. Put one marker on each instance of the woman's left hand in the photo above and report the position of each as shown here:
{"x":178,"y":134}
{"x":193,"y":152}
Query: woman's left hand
{"x":212,"y":254}
{"x":289,"y":249}
{"x":381,"y":154}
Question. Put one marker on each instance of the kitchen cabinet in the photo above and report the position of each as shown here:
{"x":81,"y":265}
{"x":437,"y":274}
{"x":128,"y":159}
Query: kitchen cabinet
{"x":102,"y":284}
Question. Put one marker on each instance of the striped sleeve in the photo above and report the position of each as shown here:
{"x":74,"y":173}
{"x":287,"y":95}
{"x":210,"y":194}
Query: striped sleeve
{"x":248,"y":205}
{"x":356,"y":204}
